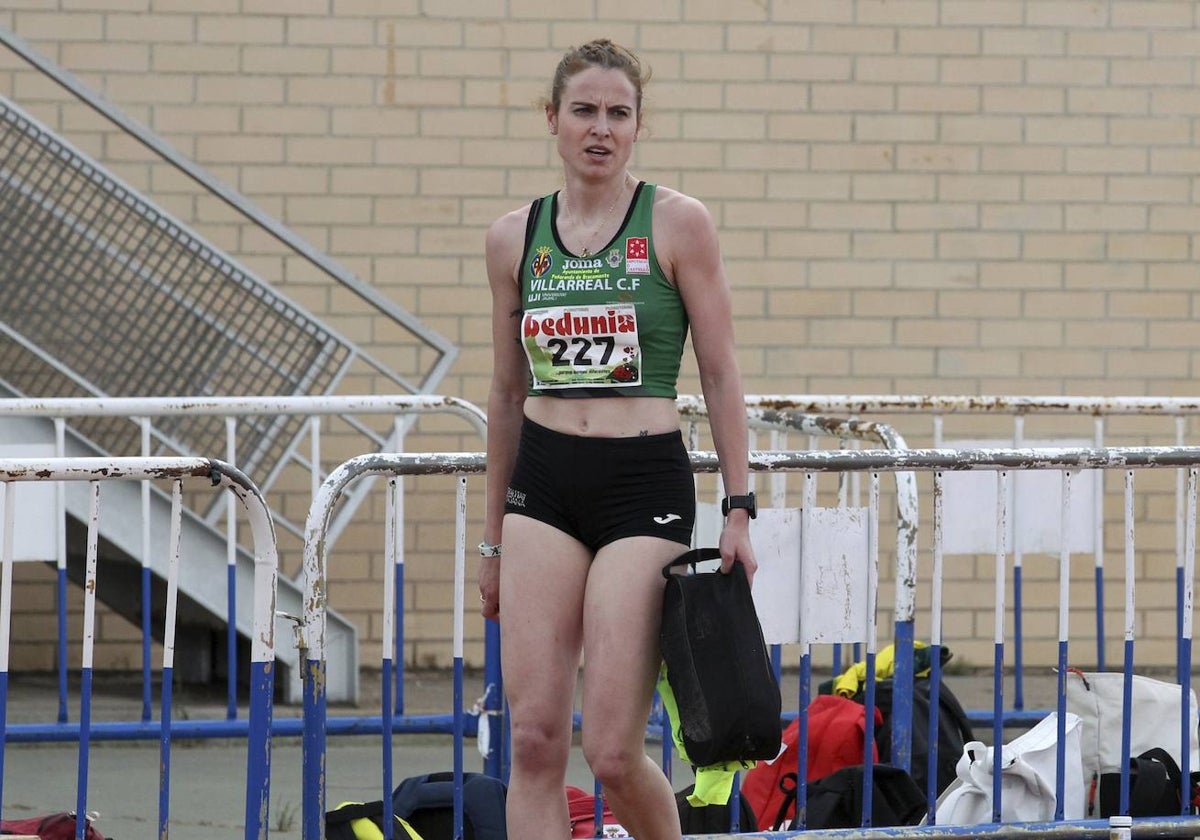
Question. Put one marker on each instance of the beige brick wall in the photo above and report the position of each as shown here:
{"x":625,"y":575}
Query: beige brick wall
{"x":928,"y":196}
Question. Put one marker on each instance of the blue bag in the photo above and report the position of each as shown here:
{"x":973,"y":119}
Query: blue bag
{"x":426,"y":802}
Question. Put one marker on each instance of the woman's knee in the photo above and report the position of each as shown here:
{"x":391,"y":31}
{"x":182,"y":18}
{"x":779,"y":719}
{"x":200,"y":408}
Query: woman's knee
{"x":612,"y":763}
{"x":540,"y":748}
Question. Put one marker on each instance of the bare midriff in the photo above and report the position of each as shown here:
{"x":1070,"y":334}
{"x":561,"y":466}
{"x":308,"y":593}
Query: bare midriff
{"x":604,"y":416}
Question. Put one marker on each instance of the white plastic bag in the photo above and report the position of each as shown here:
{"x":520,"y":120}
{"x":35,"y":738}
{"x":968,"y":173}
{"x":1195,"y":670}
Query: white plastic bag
{"x":1157,"y":710}
{"x":1028,"y":775}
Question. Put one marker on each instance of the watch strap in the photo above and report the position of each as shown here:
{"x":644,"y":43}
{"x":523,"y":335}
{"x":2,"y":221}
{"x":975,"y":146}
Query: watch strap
{"x":747,"y":502}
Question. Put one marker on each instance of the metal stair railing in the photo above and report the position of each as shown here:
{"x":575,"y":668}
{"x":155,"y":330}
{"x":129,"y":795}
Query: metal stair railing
{"x":444,"y":351}
{"x":104,"y":294}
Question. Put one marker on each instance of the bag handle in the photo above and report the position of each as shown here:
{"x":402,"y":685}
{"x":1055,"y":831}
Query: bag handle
{"x":1166,"y":760}
{"x":1148,"y":781}
{"x":1147,"y":785}
{"x":691,"y":558}
{"x":790,"y":786}
{"x":351,"y":811}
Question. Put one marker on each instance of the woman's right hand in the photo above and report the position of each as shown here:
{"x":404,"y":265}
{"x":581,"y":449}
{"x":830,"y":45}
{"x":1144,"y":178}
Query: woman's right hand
{"x":489,"y":587}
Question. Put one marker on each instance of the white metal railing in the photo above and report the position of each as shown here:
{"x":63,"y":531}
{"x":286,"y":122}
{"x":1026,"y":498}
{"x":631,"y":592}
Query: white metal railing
{"x":1102,"y":411}
{"x":934,"y":405}
{"x":937,"y":462}
{"x":143,"y":412}
{"x":96,"y":471}
{"x":769,"y":431}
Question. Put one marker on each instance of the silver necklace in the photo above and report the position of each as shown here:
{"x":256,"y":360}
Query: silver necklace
{"x":586,"y":250}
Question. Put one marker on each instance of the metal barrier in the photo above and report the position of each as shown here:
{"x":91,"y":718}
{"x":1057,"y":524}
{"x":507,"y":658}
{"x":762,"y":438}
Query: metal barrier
{"x":316,"y":593}
{"x":96,"y":471}
{"x":231,"y":423}
{"x":1004,"y":462}
{"x":936,"y":462}
{"x":1103,"y":413}
{"x":776,"y":425}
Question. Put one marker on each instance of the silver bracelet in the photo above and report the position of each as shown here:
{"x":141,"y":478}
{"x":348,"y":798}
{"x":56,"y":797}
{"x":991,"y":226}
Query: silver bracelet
{"x":487,"y":549}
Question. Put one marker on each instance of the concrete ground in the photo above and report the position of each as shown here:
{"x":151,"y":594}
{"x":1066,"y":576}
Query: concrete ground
{"x":207,"y":787}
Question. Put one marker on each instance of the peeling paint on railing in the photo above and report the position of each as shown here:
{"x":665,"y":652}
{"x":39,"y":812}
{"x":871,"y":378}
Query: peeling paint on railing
{"x":266,"y":562}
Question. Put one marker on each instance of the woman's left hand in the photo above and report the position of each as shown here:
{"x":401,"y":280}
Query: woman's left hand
{"x":735,"y":544}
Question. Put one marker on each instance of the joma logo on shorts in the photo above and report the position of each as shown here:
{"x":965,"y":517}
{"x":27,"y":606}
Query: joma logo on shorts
{"x":514,"y":497}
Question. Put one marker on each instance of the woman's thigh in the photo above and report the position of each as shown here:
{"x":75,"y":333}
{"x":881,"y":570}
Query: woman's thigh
{"x":542,"y":577}
{"x":622,"y":618}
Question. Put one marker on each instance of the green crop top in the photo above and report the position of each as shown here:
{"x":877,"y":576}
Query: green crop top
{"x":605,"y":325}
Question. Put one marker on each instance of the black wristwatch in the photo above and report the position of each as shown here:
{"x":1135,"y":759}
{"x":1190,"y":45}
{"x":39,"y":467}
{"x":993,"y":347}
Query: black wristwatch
{"x":748,"y":503}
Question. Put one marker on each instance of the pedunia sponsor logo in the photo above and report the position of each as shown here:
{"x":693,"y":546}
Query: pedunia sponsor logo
{"x":610,"y":322}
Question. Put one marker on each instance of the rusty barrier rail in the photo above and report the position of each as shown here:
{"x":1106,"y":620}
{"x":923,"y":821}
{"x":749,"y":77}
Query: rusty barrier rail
{"x":773,"y":426}
{"x":1102,"y":412}
{"x":1068,"y":461}
{"x":236,"y":426}
{"x":97,"y":471}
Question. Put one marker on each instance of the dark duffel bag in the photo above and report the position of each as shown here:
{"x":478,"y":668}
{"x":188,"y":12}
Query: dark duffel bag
{"x":718,"y":665}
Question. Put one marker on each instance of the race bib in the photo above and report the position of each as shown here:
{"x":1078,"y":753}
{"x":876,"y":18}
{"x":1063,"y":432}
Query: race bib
{"x":583,"y":346}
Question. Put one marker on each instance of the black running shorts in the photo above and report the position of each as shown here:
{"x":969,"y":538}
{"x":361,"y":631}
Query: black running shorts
{"x":603,"y":489}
